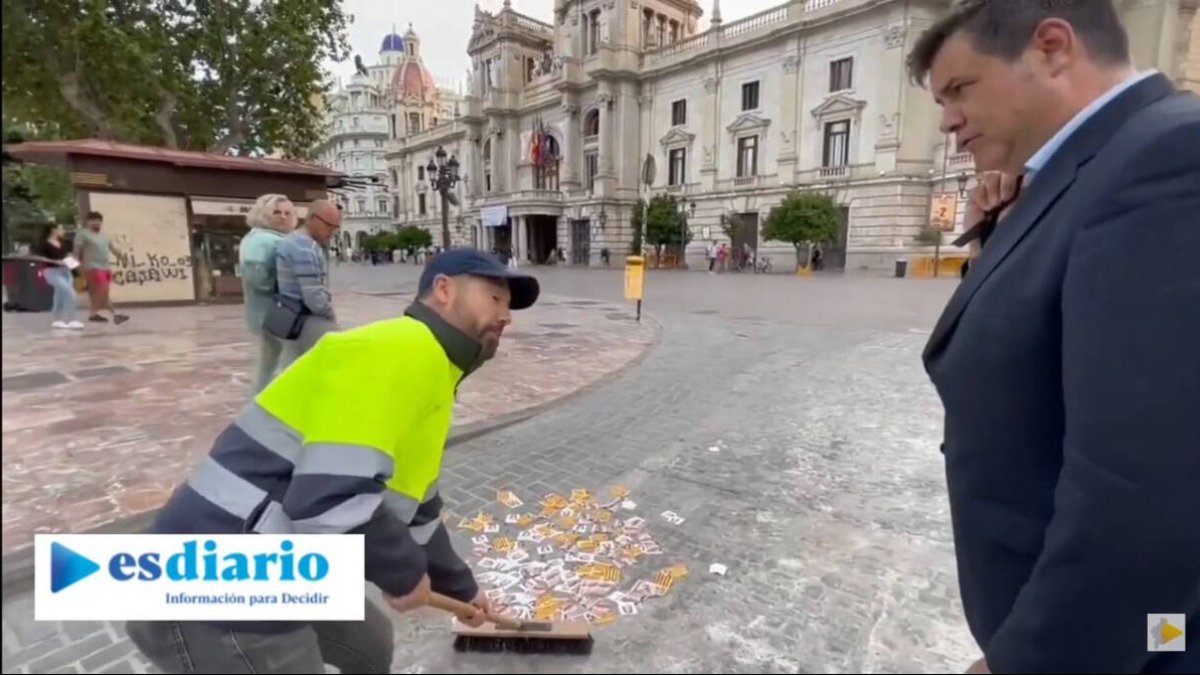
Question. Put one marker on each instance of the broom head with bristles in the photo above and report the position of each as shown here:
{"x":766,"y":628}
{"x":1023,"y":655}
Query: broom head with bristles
{"x":531,"y":637}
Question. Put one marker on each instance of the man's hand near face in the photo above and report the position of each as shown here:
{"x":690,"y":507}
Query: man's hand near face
{"x":993,"y":190}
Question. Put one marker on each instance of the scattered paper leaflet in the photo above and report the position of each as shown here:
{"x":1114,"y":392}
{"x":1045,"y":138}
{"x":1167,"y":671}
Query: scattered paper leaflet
{"x":569,"y":558}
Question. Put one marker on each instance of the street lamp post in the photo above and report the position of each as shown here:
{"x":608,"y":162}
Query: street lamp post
{"x":443,"y":176}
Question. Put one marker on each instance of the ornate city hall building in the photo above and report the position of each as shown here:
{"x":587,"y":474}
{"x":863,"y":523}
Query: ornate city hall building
{"x":394,"y":97}
{"x":628,"y":99}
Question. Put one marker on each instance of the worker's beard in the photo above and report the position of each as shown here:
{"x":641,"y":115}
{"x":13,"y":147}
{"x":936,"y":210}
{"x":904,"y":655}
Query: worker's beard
{"x":489,"y":342}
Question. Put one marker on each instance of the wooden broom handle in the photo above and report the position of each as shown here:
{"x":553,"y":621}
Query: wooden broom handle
{"x":460,"y":608}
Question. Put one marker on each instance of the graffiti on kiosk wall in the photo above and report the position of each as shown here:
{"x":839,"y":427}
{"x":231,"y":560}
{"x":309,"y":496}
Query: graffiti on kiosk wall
{"x":152,"y":253}
{"x":136,"y":268}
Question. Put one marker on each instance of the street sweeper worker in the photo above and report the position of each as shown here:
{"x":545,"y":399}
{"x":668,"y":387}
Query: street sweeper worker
{"x":348,"y":439}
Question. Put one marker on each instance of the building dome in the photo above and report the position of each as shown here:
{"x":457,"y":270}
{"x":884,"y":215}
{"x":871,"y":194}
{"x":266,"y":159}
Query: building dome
{"x":412,"y":80}
{"x":392,"y":43}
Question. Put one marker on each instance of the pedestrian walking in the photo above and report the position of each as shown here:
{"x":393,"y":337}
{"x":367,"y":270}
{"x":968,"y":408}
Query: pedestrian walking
{"x":52,"y":250}
{"x":303,"y":278}
{"x":348,"y":440}
{"x":1067,"y":359}
{"x":271,"y":218}
{"x":92,"y":249}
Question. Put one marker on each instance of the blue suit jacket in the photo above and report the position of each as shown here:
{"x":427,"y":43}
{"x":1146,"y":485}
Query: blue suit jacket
{"x":1068,"y":363}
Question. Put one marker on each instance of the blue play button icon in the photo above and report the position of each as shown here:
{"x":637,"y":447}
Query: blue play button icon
{"x":68,"y":567}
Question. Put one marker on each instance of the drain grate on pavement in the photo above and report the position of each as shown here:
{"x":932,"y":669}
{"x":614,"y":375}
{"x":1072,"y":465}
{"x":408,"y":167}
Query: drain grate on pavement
{"x":100,"y":372}
{"x":34,"y":381}
{"x":559,"y":325}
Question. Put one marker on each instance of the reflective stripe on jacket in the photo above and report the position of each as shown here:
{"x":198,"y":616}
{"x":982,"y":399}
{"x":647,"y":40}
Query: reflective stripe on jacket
{"x":348,"y":439}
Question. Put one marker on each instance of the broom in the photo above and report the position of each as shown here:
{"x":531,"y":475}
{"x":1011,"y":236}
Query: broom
{"x":511,"y":635}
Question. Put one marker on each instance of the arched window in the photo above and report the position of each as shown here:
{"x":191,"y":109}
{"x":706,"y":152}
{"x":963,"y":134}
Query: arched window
{"x":545,"y":177}
{"x":591,"y":124}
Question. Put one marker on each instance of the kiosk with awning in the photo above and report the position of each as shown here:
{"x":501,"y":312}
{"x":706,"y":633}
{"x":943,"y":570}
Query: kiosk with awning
{"x":176,"y":215}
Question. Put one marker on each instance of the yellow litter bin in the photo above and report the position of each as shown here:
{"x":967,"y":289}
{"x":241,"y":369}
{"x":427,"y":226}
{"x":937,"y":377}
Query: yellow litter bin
{"x":635,"y":274}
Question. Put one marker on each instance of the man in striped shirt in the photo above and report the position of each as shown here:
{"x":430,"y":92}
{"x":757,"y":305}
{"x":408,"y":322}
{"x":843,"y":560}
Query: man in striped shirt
{"x":304,"y":278}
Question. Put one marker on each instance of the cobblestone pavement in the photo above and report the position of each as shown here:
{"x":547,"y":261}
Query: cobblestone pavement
{"x":824,"y":495}
{"x":101,"y":426}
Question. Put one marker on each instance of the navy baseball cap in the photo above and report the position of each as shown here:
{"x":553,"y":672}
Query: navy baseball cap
{"x":523,"y":287}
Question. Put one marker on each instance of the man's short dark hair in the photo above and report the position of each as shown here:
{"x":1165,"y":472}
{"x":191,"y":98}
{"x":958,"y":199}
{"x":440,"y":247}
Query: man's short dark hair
{"x":94,"y":215}
{"x":1002,"y":28}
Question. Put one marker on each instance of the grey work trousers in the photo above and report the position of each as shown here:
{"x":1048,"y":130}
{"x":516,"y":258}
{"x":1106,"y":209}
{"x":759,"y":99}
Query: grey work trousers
{"x":188,"y":647}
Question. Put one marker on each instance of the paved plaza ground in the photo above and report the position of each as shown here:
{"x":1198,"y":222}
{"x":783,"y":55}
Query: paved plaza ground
{"x":786,"y":420}
{"x":100,"y":426}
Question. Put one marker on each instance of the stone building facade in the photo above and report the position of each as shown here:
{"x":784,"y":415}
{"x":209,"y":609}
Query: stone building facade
{"x":394,"y":98}
{"x":810,"y":94}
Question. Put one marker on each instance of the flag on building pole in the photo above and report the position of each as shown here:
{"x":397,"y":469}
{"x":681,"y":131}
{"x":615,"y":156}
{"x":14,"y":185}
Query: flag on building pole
{"x":544,"y":153}
{"x":535,"y":145}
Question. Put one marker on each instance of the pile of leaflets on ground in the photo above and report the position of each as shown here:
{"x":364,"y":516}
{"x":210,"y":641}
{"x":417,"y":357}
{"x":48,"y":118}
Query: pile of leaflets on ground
{"x":571,"y":560}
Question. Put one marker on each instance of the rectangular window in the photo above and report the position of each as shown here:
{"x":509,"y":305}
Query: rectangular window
{"x":381,"y":205}
{"x":420,"y":172}
{"x":679,"y":112}
{"x":747,"y":156}
{"x":421,"y":204}
{"x":594,"y":32}
{"x":487,"y":182}
{"x":750,"y":96}
{"x":545,"y":177}
{"x":591,"y":167}
{"x":677,"y":167}
{"x":836,"y":150}
{"x":362,"y":205}
{"x":841,"y":74}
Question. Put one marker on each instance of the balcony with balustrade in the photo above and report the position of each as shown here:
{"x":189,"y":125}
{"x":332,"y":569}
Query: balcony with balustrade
{"x":833,"y":174}
{"x":756,"y":26}
{"x":551,"y":200}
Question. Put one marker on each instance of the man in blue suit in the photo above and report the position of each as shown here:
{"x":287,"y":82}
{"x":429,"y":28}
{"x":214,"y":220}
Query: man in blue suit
{"x":1068,"y":360}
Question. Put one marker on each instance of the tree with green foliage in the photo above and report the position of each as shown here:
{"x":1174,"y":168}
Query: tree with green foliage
{"x":34,"y":196}
{"x":411,"y":239}
{"x":803,"y":219}
{"x":928,"y":236}
{"x":664,"y":224}
{"x":638,"y":221}
{"x":236,"y":76}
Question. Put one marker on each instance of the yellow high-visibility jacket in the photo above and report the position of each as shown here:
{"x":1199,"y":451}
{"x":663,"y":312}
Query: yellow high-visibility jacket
{"x":348,"y":439}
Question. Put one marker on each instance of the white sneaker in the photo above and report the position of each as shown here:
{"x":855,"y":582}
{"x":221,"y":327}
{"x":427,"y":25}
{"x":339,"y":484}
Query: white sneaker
{"x":75,"y":325}
{"x":59,"y":324}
